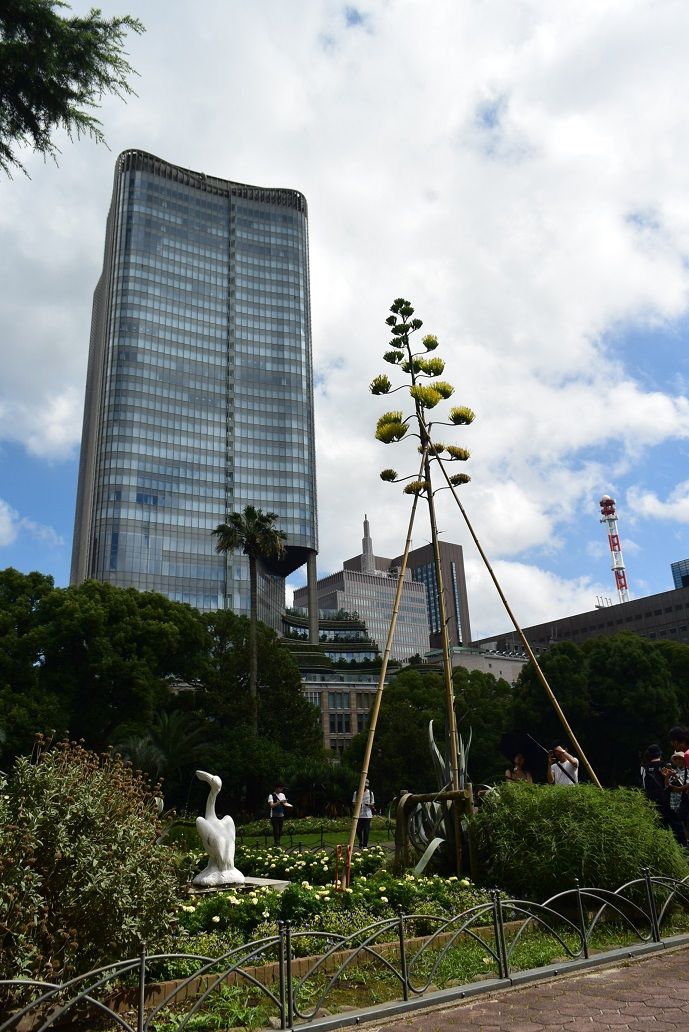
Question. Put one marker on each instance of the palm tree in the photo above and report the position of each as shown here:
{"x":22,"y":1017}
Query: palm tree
{"x":253,"y":531}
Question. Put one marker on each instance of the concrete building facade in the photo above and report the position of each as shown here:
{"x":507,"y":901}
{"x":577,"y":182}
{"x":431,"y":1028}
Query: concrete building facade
{"x":661,"y":616}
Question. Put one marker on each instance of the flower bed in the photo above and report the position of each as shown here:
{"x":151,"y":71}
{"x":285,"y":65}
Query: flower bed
{"x":235,"y":916}
{"x":316,"y":866}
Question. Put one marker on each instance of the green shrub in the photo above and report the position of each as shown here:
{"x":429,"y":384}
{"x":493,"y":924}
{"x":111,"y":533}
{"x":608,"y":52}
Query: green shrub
{"x":82,"y":880}
{"x":308,"y":826}
{"x":534,"y":840}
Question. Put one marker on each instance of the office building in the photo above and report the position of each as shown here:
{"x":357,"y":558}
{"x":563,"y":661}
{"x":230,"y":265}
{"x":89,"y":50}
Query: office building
{"x":339,"y":675}
{"x":366,"y":586}
{"x":505,"y":665}
{"x":199,"y":394}
{"x":422,"y":567}
{"x":661,"y":616}
{"x":680,"y":573}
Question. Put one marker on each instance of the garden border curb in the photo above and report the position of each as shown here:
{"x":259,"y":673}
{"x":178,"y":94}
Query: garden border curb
{"x":444,"y":997}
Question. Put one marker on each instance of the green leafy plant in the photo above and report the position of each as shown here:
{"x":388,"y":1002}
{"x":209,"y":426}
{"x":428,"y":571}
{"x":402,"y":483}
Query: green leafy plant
{"x":536,"y":839}
{"x":82,"y":878}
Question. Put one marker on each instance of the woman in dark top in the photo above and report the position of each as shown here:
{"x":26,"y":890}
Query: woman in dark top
{"x":518,"y":771}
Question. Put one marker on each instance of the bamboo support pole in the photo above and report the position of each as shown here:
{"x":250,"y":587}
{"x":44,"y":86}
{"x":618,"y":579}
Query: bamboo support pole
{"x":375,"y":710}
{"x":541,"y":676}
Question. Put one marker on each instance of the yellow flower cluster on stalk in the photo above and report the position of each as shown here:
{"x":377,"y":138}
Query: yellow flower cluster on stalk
{"x":426,"y":391}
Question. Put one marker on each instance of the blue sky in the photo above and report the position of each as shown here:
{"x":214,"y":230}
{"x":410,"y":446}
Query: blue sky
{"x":517,"y":168}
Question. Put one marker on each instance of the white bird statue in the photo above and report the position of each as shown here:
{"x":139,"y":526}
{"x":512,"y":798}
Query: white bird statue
{"x":218,"y":840}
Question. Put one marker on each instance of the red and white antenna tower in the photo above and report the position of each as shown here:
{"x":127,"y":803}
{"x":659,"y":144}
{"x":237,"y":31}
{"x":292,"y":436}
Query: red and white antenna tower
{"x":609,"y":516}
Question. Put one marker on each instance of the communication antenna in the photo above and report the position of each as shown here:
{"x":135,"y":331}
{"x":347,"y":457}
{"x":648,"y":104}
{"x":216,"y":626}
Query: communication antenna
{"x":608,"y":515}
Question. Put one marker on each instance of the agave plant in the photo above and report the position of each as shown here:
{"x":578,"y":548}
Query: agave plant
{"x":426,"y":390}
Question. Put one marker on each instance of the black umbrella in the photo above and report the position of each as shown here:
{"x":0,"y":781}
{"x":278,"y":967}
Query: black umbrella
{"x":535,"y":755}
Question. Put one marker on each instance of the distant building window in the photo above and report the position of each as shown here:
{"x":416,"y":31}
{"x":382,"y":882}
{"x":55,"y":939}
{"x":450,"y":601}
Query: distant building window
{"x":338,"y":700}
{"x":340,"y":724}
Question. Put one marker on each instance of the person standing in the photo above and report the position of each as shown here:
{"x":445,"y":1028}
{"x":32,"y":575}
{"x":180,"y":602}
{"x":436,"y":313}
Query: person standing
{"x":563,"y":767}
{"x":518,"y":772}
{"x":277,"y":801}
{"x":677,"y":781}
{"x":363,"y":827}
{"x":657,"y":789}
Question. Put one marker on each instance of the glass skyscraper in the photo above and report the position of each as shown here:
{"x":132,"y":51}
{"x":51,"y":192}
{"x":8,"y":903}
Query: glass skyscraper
{"x":199,"y":393}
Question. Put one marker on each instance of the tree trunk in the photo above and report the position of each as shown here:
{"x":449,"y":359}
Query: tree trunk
{"x":253,"y":648}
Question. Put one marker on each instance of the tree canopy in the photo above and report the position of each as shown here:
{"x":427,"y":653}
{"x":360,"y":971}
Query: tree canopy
{"x":619,"y":695}
{"x":166,"y":685}
{"x":54,"y":70}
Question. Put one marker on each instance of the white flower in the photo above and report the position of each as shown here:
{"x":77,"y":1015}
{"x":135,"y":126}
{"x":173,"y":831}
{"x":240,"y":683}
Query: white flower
{"x":465,"y":882}
{"x":383,"y":899}
{"x":215,"y":919}
{"x":381,"y":888}
{"x":306,"y":885}
{"x":265,"y":914}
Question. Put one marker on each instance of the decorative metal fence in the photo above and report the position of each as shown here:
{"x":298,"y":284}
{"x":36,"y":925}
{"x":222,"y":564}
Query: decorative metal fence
{"x":128,"y":995}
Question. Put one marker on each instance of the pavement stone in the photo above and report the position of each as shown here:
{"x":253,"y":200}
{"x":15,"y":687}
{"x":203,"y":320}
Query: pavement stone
{"x":649,"y":994}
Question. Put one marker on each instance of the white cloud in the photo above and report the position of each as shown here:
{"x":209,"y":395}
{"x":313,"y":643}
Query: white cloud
{"x":49,"y":430}
{"x":12,"y":524}
{"x":534,"y":595}
{"x":8,"y":524}
{"x":647,"y":504}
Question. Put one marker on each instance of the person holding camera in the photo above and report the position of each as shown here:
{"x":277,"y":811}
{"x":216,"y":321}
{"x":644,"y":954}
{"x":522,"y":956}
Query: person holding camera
{"x":661,"y":782}
{"x":563,"y":767}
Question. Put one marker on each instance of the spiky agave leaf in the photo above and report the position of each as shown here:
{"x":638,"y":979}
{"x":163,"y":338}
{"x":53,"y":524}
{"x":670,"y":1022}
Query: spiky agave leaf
{"x":461,"y":415}
{"x":460,"y":478}
{"x":388,"y":474}
{"x":458,"y":453}
{"x":380,"y":384}
{"x":427,"y":397}
{"x":416,"y":487}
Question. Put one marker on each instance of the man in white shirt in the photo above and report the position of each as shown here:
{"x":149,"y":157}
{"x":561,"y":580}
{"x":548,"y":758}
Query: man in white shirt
{"x":563,"y":767}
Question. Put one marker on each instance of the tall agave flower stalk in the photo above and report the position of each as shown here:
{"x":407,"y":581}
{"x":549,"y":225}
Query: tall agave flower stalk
{"x":393,"y":427}
{"x":426,"y":390}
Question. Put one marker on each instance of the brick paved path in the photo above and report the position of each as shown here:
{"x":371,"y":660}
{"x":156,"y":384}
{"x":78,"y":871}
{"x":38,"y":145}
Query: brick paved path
{"x":648,"y":995}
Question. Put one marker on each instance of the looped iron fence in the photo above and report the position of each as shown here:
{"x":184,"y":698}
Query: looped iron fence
{"x":129,"y":993}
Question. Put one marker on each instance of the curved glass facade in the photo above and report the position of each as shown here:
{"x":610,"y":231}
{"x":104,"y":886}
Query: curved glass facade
{"x":199,"y":396}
